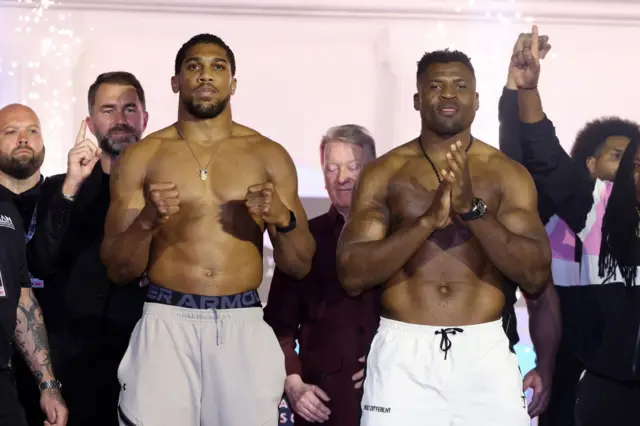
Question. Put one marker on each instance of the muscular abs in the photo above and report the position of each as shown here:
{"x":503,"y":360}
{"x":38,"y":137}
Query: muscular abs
{"x":449,"y":280}
{"x":213,"y":246}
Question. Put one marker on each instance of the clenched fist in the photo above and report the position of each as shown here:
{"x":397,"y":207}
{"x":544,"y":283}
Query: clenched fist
{"x":81,"y":160}
{"x":163,"y":201}
{"x":263,"y":201}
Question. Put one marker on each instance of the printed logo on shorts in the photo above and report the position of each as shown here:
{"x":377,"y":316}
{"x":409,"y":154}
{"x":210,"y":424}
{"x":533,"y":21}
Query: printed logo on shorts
{"x":377,"y":409}
{"x":6,"y":222}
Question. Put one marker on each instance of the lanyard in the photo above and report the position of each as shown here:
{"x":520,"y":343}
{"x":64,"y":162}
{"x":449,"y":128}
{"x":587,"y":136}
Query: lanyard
{"x":32,"y":226}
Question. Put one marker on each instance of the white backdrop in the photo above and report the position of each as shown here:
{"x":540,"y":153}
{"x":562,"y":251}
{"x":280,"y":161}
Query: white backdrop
{"x":301,"y":73}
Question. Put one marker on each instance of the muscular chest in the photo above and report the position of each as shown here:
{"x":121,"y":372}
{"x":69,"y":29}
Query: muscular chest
{"x":230,"y":172}
{"x":411,"y":192}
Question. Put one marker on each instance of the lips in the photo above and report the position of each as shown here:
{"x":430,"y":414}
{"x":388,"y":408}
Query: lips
{"x":448,"y":109}
{"x":206,"y":91}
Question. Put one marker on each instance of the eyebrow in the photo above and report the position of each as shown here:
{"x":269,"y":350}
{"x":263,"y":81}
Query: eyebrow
{"x":130,"y":104}
{"x":443,"y":78}
{"x":14,"y":126}
{"x":200,"y":59}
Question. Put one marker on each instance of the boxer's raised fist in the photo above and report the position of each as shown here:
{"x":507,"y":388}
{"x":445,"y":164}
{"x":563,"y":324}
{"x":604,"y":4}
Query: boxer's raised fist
{"x":162,"y":202}
{"x":263,"y":201}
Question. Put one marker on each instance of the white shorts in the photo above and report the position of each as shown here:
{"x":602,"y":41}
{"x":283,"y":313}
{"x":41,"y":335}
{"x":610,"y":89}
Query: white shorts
{"x":467,"y":376}
{"x":201,"y":367}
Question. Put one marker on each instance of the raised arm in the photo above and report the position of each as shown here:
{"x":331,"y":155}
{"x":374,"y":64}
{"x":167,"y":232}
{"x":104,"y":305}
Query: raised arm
{"x":129,"y":227}
{"x":367,"y":254}
{"x":293,"y":250}
{"x":566,"y":184}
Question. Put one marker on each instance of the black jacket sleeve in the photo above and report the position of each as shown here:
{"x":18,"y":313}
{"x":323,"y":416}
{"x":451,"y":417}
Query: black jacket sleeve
{"x":511,"y":143}
{"x":559,"y":178}
{"x":509,"y":117}
{"x":53,"y":221}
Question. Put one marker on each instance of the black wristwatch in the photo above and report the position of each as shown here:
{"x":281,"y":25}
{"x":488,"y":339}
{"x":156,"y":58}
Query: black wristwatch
{"x":478,"y":210}
{"x":290,"y":227}
{"x":50,"y":384}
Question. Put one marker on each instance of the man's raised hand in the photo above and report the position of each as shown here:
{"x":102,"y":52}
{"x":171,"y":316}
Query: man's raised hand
{"x":525,"y":61}
{"x":81,"y":160}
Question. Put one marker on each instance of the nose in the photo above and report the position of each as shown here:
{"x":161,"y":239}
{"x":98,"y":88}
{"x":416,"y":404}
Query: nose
{"x":206,"y":75}
{"x":120,"y":117}
{"x":344,"y":174}
{"x":448,"y":92}
{"x":23,"y":138}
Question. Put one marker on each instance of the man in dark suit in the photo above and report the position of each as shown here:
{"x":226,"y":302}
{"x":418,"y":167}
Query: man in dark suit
{"x":334,"y":330}
{"x":93,"y":318}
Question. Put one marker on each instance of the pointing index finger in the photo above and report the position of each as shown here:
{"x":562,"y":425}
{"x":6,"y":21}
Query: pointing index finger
{"x":535,"y":42}
{"x":82,"y":132}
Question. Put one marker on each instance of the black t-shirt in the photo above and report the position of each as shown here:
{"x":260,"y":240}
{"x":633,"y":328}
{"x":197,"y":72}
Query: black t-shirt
{"x":14,"y":274}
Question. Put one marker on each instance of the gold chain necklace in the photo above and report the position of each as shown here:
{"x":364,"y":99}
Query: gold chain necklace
{"x":204,"y":172}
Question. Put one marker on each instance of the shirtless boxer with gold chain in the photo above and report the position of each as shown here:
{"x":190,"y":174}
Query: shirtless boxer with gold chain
{"x":190,"y":204}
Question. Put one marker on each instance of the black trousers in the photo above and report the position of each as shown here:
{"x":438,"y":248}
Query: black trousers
{"x":569,"y":368}
{"x":605,"y":402}
{"x":11,"y":412}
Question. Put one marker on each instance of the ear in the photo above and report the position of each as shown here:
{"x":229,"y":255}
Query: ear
{"x":145,"y":121}
{"x":416,"y":102}
{"x":477,"y":101}
{"x":175,"y":86}
{"x":591,"y":164}
{"x":233,"y":86}
{"x":90,"y":125}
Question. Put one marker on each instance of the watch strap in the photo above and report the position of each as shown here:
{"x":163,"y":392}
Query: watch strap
{"x":50,"y":384}
{"x":477,"y":211}
{"x":291,"y":226}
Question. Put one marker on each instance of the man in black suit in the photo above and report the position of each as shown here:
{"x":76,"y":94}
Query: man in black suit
{"x":94,"y":319}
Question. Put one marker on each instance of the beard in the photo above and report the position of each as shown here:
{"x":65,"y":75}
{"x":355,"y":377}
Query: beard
{"x":208,"y":111}
{"x":449,"y":126}
{"x":21,"y":168}
{"x":114,"y":145}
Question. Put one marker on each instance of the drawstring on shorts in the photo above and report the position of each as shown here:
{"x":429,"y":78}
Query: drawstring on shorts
{"x":445,"y":342}
{"x":219,"y":324}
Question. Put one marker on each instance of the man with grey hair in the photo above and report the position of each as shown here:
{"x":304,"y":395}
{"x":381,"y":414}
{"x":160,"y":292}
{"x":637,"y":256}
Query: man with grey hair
{"x":334,"y":330}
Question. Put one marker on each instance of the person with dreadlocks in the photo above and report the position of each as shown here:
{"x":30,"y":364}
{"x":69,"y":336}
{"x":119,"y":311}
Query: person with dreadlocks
{"x":597,"y":150}
{"x":604,"y":218}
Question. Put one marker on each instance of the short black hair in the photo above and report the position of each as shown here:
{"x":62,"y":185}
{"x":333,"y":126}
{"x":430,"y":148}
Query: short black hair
{"x":204,"y":39}
{"x":591,"y":139}
{"x":445,"y":56}
{"x":116,"y":77}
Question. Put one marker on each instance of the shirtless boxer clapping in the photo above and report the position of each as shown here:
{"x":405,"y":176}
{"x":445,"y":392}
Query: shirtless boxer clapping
{"x":439,"y":220}
{"x":190,"y":204}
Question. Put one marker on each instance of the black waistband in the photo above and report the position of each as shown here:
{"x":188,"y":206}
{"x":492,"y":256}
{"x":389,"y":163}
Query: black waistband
{"x":157,"y":294}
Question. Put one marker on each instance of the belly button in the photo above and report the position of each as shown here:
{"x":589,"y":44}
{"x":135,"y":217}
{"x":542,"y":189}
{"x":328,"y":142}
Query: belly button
{"x":208,"y":273}
{"x":444,"y":289}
